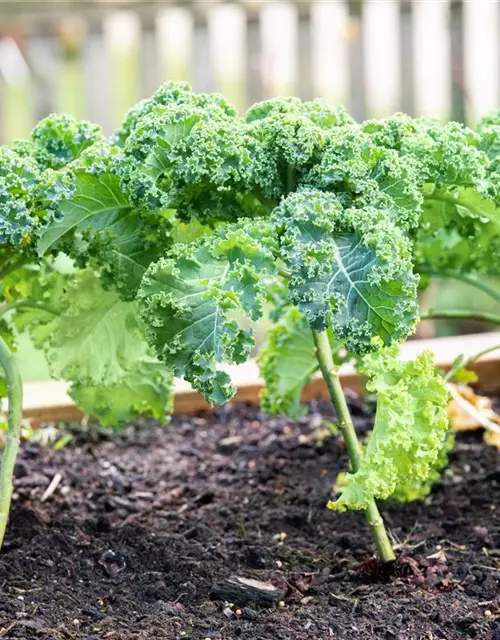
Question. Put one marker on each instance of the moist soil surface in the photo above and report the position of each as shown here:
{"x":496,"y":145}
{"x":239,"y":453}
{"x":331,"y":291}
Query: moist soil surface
{"x":144,"y":523}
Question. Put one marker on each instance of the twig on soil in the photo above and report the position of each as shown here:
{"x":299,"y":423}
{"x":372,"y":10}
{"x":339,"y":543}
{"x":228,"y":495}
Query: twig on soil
{"x":395,"y":541}
{"x":5,"y":631}
{"x":410,"y":547}
{"x":472,"y":411}
{"x":483,"y":566}
{"x":181,"y":595}
{"x":52,"y":487}
{"x":462,"y":548}
{"x":406,"y":545}
{"x":353,"y":601}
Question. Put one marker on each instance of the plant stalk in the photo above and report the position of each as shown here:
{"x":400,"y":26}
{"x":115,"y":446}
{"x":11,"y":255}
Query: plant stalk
{"x":290,"y":178}
{"x":14,"y":417}
{"x":26,"y":304}
{"x":331,"y":376}
{"x":463,"y":362}
{"x":460,"y":314}
{"x":443,"y":197}
{"x":10,"y":265}
{"x":472,"y":280}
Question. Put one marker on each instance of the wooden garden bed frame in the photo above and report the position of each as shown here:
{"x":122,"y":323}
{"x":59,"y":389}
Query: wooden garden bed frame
{"x":48,"y":401}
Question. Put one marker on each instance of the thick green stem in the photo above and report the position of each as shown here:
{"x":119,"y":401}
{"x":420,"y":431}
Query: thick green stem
{"x":11,"y":264}
{"x":290,"y":178}
{"x":460,"y":314}
{"x":15,"y":399}
{"x":449,"y":199}
{"x":468,"y":279}
{"x":331,"y":377}
{"x":26,"y":304}
{"x":462,"y":362}
{"x":14,"y":418}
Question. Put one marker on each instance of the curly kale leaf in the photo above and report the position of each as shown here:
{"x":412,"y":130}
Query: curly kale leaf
{"x":18,"y":180}
{"x":460,"y":231}
{"x":188,"y":302}
{"x":28,"y":199}
{"x":464,"y":217}
{"x":412,"y":489}
{"x":97,"y":338}
{"x":287,"y":362}
{"x":58,"y":140}
{"x":144,"y":390}
{"x":170,"y":94}
{"x":44,"y":287}
{"x":196,"y":160}
{"x":95,"y":202}
{"x":98,"y":222}
{"x":350,"y":269}
{"x":95,"y":341}
{"x":364,"y":174}
{"x":446,"y":154}
{"x":411,"y":426}
{"x":320,"y":112}
{"x":191,"y":153}
{"x":488,"y":129}
{"x":288,"y":136}
{"x":458,"y":177}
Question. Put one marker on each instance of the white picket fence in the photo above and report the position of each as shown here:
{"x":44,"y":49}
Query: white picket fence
{"x":94,"y":59}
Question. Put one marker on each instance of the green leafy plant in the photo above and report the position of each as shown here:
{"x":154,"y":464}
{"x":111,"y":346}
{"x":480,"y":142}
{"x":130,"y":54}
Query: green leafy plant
{"x":191,"y":218}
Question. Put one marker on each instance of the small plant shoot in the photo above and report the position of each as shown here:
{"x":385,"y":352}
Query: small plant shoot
{"x":148,"y":255}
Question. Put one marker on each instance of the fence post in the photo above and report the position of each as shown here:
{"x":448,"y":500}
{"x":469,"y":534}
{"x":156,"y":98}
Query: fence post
{"x":305,"y":53}
{"x":97,"y":76}
{"x":278,"y":29}
{"x":357,"y":97}
{"x":458,"y":97}
{"x":254,"y":76}
{"x":432,"y":64}
{"x":330,"y":51}
{"x":121,"y":32}
{"x":174,"y":27}
{"x":148,"y":67}
{"x":70,"y":82}
{"x":406,"y":50}
{"x":43,"y":62}
{"x":381,"y":57}
{"x":227,"y":36}
{"x":202,"y":68}
{"x":18,"y":114}
{"x":481,"y":73}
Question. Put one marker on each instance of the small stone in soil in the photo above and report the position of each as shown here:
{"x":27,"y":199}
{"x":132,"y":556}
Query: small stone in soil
{"x":482,"y":534}
{"x":229,"y":613}
{"x":250,"y":614}
{"x":229,"y":444}
{"x":112,"y":563}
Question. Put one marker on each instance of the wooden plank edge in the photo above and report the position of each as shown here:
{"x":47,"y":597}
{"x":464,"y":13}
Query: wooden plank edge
{"x":249,"y":385}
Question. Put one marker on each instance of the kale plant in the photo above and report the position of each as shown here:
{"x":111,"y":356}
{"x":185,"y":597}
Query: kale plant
{"x":191,"y":218}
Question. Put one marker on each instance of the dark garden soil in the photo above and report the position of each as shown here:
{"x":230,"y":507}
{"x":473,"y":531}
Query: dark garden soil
{"x":143,"y":525}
